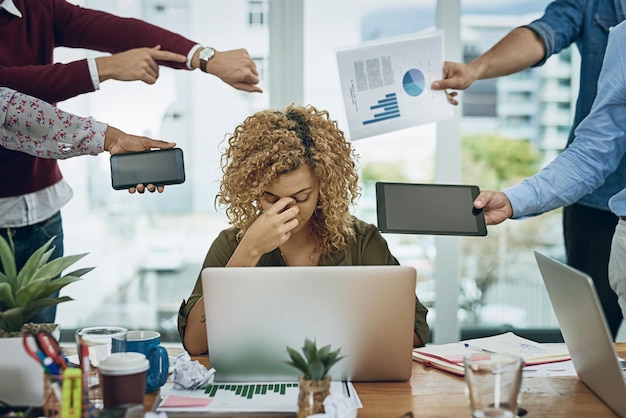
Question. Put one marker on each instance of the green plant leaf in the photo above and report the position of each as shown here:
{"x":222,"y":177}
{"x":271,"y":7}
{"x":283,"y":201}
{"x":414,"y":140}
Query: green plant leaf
{"x":80,"y":272}
{"x":298,"y":361}
{"x":310,"y":350}
{"x":323,"y":352}
{"x":56,"y":267}
{"x":34,"y":262}
{"x":25,"y":292}
{"x":332,"y":359}
{"x":6,"y":294}
{"x":41,"y":288}
{"x":318,"y":371}
{"x":316,"y":363}
{"x":13,"y":319}
{"x":7,"y":256}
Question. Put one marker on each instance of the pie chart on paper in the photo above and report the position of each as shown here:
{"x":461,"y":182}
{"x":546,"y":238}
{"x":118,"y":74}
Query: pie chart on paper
{"x":413,"y":82}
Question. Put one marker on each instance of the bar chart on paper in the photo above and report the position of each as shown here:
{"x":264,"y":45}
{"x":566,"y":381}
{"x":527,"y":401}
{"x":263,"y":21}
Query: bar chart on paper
{"x":385,"y":109}
{"x":268,"y":397}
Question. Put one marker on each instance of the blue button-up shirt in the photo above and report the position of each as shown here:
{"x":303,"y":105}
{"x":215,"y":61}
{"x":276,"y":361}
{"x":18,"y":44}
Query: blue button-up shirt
{"x":598,"y":148}
{"x":586,"y":23}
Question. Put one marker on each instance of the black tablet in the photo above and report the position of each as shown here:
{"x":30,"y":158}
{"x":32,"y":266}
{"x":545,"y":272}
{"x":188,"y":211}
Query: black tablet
{"x":432,"y":209}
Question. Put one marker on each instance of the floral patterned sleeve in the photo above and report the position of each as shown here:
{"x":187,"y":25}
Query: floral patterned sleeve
{"x":30,"y":125}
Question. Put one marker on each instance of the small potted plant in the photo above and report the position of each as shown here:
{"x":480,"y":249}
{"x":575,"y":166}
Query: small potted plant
{"x":314,"y":384}
{"x":22,"y":294}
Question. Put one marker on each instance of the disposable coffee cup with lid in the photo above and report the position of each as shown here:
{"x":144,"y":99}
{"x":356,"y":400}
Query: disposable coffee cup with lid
{"x":123,"y":378}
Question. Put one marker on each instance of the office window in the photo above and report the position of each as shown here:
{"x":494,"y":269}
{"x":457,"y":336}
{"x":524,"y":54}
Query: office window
{"x":257,"y":12}
{"x":148,"y":249}
{"x":261,"y":63}
{"x":500,"y":284}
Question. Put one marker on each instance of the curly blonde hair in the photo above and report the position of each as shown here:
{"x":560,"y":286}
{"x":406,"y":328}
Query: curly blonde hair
{"x":271,"y":143}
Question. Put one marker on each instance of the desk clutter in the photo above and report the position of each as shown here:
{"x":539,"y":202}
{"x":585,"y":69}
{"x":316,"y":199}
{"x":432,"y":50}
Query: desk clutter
{"x":106,"y":375}
{"x":450,"y":357}
{"x":193,"y":390}
{"x":102,"y":382}
{"x":250,"y":397}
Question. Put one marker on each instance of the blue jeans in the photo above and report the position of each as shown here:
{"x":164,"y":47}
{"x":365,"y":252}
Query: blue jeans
{"x":27,"y":240}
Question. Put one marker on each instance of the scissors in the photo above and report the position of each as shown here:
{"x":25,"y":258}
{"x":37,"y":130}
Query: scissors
{"x":44,"y":348}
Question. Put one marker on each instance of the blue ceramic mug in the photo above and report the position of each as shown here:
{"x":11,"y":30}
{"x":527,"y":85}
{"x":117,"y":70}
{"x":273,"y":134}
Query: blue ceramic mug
{"x":148,"y":343}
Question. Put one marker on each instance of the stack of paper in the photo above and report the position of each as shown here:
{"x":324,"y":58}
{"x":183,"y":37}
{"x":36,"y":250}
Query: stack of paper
{"x":237,"y":398}
{"x":449,"y":357}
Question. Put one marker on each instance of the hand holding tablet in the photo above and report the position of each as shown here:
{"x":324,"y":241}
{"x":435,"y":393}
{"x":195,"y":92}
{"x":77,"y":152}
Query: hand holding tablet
{"x":431,"y":209}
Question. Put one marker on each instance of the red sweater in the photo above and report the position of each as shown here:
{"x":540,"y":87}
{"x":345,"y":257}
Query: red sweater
{"x":26,"y":53}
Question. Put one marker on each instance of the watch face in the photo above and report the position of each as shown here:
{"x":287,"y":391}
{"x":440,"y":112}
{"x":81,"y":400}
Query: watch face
{"x":207,"y":53}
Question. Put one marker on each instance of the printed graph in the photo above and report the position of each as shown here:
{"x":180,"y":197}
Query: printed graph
{"x":248,"y":391}
{"x":386,"y":109}
{"x":236,"y":398}
{"x":413,"y":82}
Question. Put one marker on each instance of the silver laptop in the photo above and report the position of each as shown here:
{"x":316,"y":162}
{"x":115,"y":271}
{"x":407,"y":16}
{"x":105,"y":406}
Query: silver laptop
{"x":252,"y":314}
{"x":585,"y":331}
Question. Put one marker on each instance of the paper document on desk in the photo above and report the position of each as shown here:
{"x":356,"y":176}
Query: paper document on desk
{"x":385,"y":84}
{"x":560,"y":369}
{"x":219,"y":398}
{"x":449,"y":357}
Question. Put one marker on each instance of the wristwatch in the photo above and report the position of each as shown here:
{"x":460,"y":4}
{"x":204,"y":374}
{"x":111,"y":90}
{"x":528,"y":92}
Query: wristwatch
{"x":205,"y":55}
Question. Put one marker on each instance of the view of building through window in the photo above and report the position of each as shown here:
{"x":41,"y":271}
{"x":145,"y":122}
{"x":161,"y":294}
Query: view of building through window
{"x":148,"y":249}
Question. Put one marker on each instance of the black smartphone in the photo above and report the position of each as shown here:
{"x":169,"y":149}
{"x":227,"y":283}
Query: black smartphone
{"x":432,"y":209}
{"x":158,"y":167}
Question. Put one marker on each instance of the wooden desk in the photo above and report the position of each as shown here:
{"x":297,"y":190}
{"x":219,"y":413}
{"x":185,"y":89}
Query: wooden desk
{"x":432,"y":393}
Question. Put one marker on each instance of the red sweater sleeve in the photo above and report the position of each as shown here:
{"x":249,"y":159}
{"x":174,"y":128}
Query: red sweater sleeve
{"x":92,"y":29}
{"x":26,"y":59}
{"x":51,"y":83}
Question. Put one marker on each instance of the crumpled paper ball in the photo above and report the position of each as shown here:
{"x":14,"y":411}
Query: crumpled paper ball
{"x":187,"y":374}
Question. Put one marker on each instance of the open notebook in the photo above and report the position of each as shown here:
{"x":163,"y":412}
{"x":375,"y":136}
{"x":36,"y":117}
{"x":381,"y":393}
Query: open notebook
{"x":449,"y":357}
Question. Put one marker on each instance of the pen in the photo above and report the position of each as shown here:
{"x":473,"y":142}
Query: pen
{"x":473,"y":347}
{"x":346,"y":388}
{"x":83,"y":355}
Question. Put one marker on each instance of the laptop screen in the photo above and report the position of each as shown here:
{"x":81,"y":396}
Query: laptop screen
{"x":253,"y":314}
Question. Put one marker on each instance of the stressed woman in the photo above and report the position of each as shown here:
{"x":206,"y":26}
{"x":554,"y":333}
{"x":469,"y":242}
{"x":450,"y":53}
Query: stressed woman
{"x":289,"y":181}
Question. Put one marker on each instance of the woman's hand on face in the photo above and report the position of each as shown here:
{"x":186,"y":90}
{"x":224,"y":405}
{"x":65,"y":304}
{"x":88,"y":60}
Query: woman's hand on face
{"x":273,"y":227}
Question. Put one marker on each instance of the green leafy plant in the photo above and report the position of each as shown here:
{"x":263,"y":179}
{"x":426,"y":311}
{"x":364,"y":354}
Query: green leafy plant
{"x":24,"y":292}
{"x":315,"y":363}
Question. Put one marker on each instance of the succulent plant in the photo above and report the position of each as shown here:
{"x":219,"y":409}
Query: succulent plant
{"x":315,"y":363}
{"x":24,"y":292}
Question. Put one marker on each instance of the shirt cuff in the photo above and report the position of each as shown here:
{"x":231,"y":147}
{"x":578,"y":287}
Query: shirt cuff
{"x":191,"y":54}
{"x":100,"y":130}
{"x":93,"y":72}
{"x":522,"y":199}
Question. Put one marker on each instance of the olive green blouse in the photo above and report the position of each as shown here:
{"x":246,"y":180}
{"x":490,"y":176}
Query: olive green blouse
{"x":366,"y":247}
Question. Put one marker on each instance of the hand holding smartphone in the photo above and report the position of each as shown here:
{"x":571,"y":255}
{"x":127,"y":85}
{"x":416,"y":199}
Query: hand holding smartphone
{"x":159,"y":167}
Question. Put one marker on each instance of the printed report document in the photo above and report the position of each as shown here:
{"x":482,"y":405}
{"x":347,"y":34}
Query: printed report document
{"x":449,"y":357}
{"x":385,"y":84}
{"x":238,"y":398}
